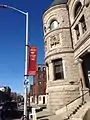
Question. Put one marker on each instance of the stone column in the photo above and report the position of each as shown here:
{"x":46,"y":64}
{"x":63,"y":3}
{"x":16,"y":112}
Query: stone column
{"x":47,"y":76}
{"x":82,"y":80}
{"x":64,"y":71}
{"x":89,"y":71}
{"x":74,"y":36}
{"x":47,"y":71}
{"x":80,"y":28}
{"x":51,"y":73}
{"x":81,"y":75}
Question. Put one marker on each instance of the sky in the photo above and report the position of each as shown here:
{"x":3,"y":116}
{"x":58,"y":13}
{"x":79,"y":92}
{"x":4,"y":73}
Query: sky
{"x":12,"y":39}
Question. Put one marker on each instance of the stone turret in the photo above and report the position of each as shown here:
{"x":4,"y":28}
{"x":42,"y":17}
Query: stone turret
{"x":62,"y":71}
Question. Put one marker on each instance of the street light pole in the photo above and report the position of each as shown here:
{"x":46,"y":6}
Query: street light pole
{"x":26,"y":59}
{"x":26,"y":54}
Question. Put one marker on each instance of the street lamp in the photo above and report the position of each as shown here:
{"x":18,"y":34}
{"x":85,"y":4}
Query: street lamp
{"x":26,"y":54}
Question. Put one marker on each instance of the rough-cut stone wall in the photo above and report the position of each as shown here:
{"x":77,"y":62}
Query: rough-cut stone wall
{"x":61,"y":95}
{"x":81,"y":45}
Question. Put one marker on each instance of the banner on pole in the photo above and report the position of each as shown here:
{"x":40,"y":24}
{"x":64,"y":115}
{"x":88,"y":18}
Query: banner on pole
{"x":32,"y":61}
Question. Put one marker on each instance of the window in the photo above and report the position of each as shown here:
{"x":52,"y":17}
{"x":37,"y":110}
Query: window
{"x":39,"y":76}
{"x":53,"y":25}
{"x":83,"y":24}
{"x":32,"y":99}
{"x":39,"y":68}
{"x":58,"y":69}
{"x":39,"y":82}
{"x":44,"y":69}
{"x":77,"y":8}
{"x":39,"y":98}
{"x":77,"y":31}
{"x":44,"y":75}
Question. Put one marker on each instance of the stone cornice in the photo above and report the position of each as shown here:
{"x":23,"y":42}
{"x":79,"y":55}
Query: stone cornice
{"x":60,"y":52}
{"x":51,"y":31}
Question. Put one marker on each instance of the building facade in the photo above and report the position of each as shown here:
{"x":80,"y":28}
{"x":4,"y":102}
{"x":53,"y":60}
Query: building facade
{"x":38,"y":89}
{"x":66,"y":25}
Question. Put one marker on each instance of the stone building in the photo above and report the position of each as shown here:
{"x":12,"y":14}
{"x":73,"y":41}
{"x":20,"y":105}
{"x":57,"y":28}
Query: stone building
{"x":38,"y":89}
{"x":66,"y":25}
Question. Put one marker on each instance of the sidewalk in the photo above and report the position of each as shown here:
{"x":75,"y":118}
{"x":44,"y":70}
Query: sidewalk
{"x":43,"y":115}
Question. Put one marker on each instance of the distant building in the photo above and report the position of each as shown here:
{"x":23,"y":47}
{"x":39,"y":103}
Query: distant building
{"x":5,"y":92}
{"x":16,"y":97}
{"x":5,"y":89}
{"x":38,"y":89}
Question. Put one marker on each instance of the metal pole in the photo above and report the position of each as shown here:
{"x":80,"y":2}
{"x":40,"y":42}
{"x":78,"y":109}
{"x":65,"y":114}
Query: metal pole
{"x":26,"y":59}
{"x":26,"y":54}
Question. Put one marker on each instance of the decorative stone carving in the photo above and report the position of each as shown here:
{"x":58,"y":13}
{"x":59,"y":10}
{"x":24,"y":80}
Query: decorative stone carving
{"x":54,"y":40}
{"x":62,"y":19}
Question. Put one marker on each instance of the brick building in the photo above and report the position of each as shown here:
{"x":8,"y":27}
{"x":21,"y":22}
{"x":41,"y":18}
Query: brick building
{"x":38,"y":89}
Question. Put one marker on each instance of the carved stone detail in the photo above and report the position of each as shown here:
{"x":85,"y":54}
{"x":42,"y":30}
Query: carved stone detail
{"x":54,"y":40}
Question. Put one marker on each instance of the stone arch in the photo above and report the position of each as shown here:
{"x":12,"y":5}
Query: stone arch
{"x":75,"y":6}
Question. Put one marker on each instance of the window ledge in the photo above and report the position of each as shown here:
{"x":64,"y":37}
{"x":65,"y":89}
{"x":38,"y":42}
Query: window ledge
{"x":58,"y":80}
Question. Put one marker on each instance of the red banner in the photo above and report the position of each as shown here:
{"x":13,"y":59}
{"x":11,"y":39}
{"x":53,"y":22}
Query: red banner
{"x":32,"y":61}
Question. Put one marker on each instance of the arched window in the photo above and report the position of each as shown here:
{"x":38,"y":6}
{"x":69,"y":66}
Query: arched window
{"x":77,"y":8}
{"x":53,"y":24}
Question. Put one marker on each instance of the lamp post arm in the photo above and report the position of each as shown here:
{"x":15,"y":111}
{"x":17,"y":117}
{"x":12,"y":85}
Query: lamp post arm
{"x":16,"y":9}
{"x":13,"y":8}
